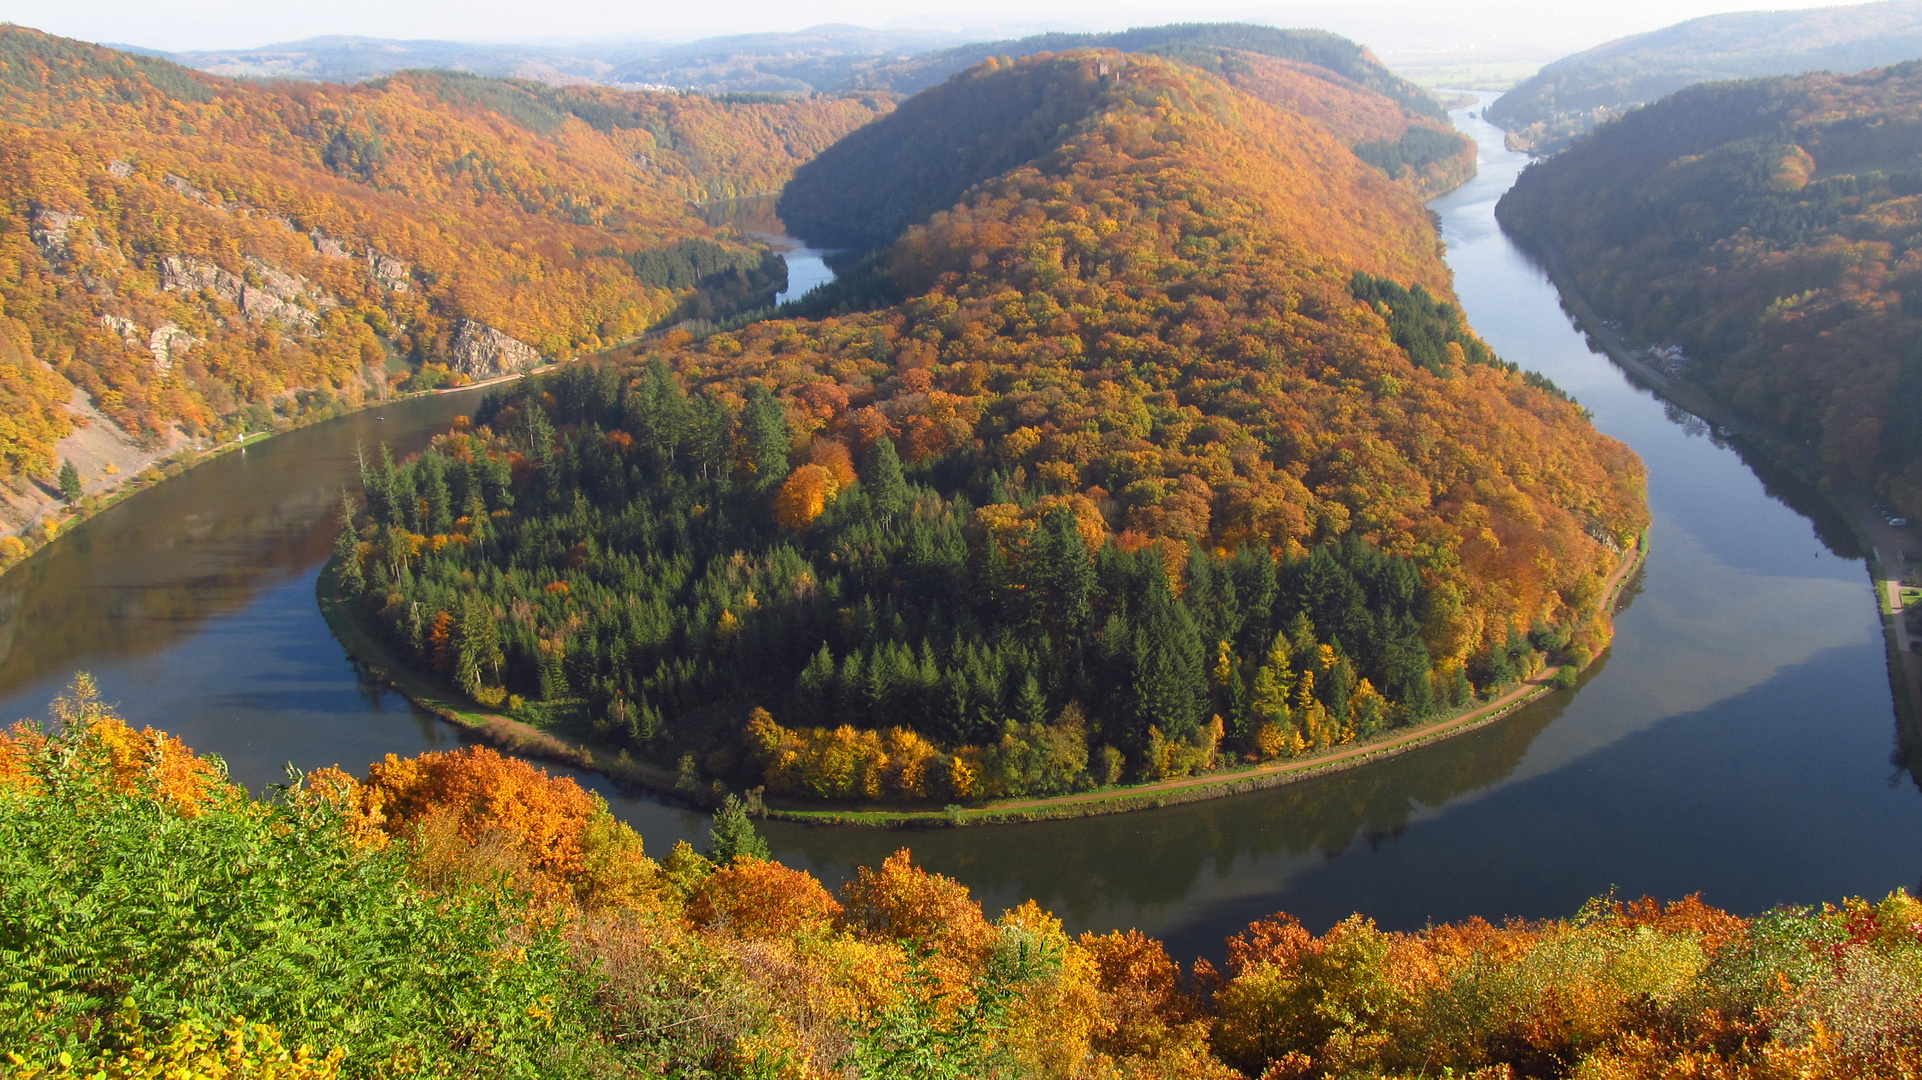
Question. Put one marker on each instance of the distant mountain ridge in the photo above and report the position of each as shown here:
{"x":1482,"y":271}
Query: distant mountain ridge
{"x":826,"y":58}
{"x":1181,"y":41}
{"x":1569,"y":97}
{"x":820,"y":58}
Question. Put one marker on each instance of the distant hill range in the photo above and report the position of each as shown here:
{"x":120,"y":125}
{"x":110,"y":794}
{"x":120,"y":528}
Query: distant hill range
{"x":1569,"y":97}
{"x":819,"y":59}
{"x":816,"y":59}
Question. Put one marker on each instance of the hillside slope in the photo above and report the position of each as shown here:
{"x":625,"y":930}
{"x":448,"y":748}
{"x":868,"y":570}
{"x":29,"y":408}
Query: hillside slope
{"x":866,"y":189}
{"x":191,"y":251}
{"x":1570,"y":96}
{"x":1392,"y":123}
{"x":1174,"y":396}
{"x":1771,"y":229}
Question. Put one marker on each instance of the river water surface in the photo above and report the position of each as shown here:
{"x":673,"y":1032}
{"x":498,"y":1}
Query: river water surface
{"x":1738,"y":740}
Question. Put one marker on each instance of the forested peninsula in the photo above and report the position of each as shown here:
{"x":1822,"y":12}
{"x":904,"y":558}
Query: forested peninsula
{"x":1151,"y":440}
{"x":1768,"y":229}
{"x":466,"y":914}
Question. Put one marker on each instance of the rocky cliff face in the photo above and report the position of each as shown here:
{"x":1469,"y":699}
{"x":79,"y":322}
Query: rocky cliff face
{"x":270,"y":294}
{"x":49,"y":229}
{"x":481,"y":352}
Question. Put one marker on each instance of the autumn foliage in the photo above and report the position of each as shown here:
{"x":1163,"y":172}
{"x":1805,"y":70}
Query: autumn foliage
{"x":1173,"y":451}
{"x":754,"y":969}
{"x":1768,"y":228}
{"x":199,"y":252}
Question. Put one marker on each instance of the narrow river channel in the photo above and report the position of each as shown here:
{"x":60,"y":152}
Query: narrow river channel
{"x":1738,"y":740}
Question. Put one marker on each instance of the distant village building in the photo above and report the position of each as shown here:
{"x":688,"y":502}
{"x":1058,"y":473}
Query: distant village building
{"x":1670,"y":359}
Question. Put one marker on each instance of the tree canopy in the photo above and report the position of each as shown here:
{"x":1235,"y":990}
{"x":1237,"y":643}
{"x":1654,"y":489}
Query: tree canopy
{"x":1182,"y":401}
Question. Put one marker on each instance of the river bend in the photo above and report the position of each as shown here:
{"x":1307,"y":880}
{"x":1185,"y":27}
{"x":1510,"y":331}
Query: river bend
{"x":1738,"y":740}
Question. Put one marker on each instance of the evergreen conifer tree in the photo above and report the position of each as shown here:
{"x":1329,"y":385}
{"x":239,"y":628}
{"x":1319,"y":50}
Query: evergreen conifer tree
{"x":1168,"y":673}
{"x":1030,"y":706}
{"x":765,"y":437}
{"x":69,"y":482}
{"x":732,"y":835}
{"x":885,"y":483}
{"x":480,"y":645}
{"x":347,"y":551}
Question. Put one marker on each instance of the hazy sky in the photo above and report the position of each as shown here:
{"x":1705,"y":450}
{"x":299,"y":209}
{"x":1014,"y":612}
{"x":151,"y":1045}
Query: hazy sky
{"x":1490,"y":28}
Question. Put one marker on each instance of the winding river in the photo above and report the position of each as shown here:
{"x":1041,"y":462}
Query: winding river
{"x":1739,"y":740}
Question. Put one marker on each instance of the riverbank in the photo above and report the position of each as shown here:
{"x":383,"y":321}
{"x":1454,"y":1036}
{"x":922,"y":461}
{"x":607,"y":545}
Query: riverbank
{"x":1886,"y":547}
{"x":50,"y":524}
{"x":365,"y":646}
{"x":43,"y":530}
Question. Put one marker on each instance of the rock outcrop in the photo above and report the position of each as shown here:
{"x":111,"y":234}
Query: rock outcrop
{"x":329,"y":246}
{"x":273,"y":294}
{"x":167,"y":342}
{"x":49,"y":229}
{"x":388,"y":272}
{"x":481,"y":352}
{"x":181,"y":274}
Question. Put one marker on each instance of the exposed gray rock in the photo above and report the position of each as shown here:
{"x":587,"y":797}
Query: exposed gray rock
{"x":272,"y":294}
{"x":119,"y":169}
{"x":182,"y":185}
{"x":181,"y":274}
{"x":330,"y":247}
{"x":482,"y":352}
{"x":128,"y":330}
{"x":388,"y":272}
{"x":49,"y":229}
{"x":167,"y":343}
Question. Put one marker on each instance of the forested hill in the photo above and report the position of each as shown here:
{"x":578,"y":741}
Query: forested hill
{"x":1770,"y":228}
{"x":1570,"y":96}
{"x":1333,"y":52}
{"x":864,"y":190}
{"x":1390,"y":122}
{"x":196,"y":252}
{"x":1171,"y":450}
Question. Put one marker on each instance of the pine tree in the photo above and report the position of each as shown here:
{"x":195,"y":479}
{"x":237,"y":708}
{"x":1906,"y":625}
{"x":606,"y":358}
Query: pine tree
{"x":379,"y":489}
{"x":537,"y":433}
{"x":480,"y":645}
{"x":69,"y":482}
{"x":1169,"y":677}
{"x":732,"y":835}
{"x":707,"y":437}
{"x":657,"y":413}
{"x":1070,"y":576}
{"x":1030,"y":706}
{"x":814,"y":689}
{"x":764,"y":437}
{"x":347,"y":551}
{"x":886,"y":486}
{"x":1273,"y":683}
{"x":477,"y":523}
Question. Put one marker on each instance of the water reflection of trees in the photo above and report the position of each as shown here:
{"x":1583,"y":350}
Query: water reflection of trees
{"x":1119,"y":865}
{"x":156,"y":569}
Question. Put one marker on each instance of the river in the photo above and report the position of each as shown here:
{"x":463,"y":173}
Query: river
{"x":1738,"y":740}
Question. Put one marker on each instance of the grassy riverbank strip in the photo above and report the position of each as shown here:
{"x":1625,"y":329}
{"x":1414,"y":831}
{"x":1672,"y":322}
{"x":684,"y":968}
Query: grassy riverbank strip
{"x":1885,"y":546}
{"x":519,"y":737}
